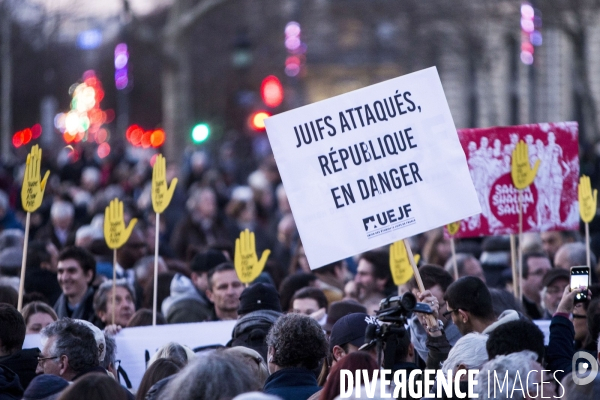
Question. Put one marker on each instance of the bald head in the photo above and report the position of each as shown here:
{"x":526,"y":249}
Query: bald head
{"x":572,"y":254}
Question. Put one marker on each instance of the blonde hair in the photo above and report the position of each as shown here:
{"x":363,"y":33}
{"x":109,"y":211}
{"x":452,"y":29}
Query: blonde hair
{"x":253,"y":359}
{"x":175,"y":352}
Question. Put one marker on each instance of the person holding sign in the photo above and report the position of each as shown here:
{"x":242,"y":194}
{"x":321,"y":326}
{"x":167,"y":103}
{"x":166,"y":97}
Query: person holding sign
{"x":436,"y":282}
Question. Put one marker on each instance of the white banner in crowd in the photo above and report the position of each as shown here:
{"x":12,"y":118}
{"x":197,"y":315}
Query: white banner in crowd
{"x":372,"y":166}
{"x":132,"y":343}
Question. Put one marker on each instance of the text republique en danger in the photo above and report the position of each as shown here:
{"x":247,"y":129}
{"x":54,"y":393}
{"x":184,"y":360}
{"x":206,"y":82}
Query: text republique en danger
{"x":391,"y":144}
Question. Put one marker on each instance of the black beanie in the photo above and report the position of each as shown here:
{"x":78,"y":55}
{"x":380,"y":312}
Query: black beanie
{"x":260,"y":296}
{"x":204,"y":262}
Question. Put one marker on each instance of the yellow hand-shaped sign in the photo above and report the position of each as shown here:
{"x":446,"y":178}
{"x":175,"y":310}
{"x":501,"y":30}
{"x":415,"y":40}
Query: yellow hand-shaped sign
{"x":399,"y":264}
{"x":115,"y":232}
{"x":587,"y":200}
{"x":247,"y":265}
{"x":32,"y":191}
{"x":453,"y":228}
{"x":161,"y":194}
{"x":521,"y":172}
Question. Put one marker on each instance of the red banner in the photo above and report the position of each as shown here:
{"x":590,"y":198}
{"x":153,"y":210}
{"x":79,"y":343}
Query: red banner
{"x":550,"y":203}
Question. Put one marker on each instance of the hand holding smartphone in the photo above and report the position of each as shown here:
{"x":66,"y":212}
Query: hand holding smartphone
{"x":580,"y":277}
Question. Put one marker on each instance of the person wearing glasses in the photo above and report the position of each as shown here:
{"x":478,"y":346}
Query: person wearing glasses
{"x":554,"y":283}
{"x":535,"y":266}
{"x":469,"y":303}
{"x":69,"y":350}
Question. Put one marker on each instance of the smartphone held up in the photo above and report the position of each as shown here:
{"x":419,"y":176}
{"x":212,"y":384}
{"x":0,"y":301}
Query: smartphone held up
{"x":580,"y":278}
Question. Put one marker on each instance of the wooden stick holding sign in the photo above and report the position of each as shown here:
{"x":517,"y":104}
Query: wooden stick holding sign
{"x":453,"y":229}
{"x":32,"y":193}
{"x":247,"y":265}
{"x":513,"y":265}
{"x":161,"y":197}
{"x":588,"y":201}
{"x":116,"y":235}
{"x":522,"y":176}
{"x":398,"y":253}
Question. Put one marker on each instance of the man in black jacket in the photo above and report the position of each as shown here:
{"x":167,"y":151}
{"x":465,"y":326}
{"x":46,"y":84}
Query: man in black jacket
{"x":22,"y":362}
{"x":258,"y":311}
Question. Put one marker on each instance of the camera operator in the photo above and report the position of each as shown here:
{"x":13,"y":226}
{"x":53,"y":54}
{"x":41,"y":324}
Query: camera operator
{"x":436,"y":281}
{"x":469,"y":304}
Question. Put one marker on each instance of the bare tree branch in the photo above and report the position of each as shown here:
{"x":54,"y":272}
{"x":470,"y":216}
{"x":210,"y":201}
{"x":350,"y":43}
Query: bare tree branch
{"x":184,"y":22}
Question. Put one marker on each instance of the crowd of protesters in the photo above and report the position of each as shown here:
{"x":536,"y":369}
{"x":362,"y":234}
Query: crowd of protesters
{"x":298,"y":325}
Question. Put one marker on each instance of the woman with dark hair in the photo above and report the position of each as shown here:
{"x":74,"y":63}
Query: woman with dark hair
{"x":296,"y":346}
{"x":359,"y":360}
{"x":94,"y":387}
{"x":159,"y":370}
{"x":291,"y":284}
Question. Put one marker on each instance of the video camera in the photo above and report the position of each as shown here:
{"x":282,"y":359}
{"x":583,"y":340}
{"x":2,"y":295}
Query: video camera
{"x":393,"y":315}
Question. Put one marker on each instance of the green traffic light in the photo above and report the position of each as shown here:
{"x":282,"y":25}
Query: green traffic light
{"x":200,"y":133}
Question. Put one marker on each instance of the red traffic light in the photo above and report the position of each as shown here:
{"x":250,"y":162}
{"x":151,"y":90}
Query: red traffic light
{"x":271,"y":91}
{"x":256,"y":121}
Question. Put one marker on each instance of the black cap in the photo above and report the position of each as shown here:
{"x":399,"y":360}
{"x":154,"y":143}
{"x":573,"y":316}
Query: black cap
{"x":204,"y":262}
{"x":351,"y":329}
{"x":554,"y":274}
{"x":260,"y":296}
{"x":43,"y":386}
{"x":340,"y":308}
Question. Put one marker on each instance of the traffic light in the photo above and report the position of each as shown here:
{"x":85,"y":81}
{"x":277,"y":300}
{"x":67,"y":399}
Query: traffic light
{"x":256,"y":120}
{"x":121,"y":61}
{"x":531,"y":21}
{"x":294,"y":63}
{"x":271,"y":91}
{"x":23,"y":137}
{"x":200,"y":133}
{"x":138,"y":137}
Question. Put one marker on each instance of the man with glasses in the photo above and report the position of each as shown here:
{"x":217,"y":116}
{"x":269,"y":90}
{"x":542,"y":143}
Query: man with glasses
{"x":69,"y":350}
{"x":535,"y":266}
{"x":469,"y":303}
{"x":554,"y":283}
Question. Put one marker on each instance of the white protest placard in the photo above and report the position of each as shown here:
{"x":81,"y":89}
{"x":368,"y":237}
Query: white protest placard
{"x":373,"y":166}
{"x":132,"y":343}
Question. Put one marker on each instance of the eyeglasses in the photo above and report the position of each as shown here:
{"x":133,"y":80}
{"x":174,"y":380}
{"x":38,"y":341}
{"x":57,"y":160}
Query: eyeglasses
{"x":41,"y":360}
{"x":447,"y":313}
{"x":579,"y":316}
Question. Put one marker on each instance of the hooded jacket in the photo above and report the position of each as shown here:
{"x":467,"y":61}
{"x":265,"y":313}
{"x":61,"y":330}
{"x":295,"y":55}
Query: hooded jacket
{"x":181,"y":288}
{"x":251,"y":330}
{"x":10,"y":387}
{"x":23,"y":363}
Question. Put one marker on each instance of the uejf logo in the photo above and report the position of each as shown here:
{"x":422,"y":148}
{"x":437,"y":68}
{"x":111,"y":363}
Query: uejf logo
{"x":387,"y":221}
{"x":582,"y":368}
